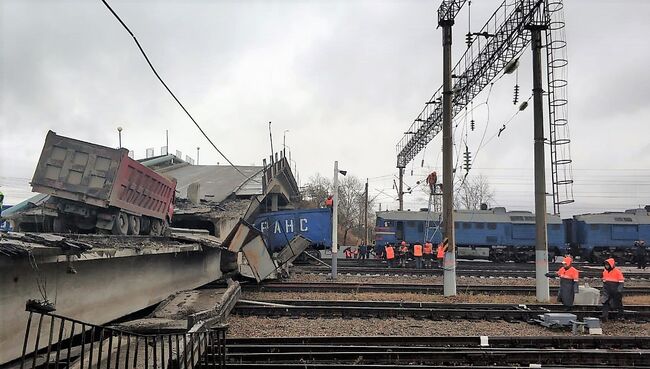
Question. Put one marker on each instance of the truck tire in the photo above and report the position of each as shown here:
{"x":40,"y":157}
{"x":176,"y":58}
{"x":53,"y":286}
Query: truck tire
{"x":156,"y":227}
{"x":121,"y":224}
{"x":134,"y":225}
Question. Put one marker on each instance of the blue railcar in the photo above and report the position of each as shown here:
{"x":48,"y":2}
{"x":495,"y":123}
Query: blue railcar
{"x":610,"y":234}
{"x":281,"y":226}
{"x":480,"y":234}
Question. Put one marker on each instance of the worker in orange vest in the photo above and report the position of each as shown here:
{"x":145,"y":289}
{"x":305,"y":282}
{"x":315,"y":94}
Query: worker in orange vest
{"x":568,"y":282}
{"x":417,"y":253}
{"x":390,"y":255}
{"x":612,"y":294}
{"x":403,"y":254}
{"x":329,"y":202}
{"x":440,"y":252}
{"x":428,"y":253}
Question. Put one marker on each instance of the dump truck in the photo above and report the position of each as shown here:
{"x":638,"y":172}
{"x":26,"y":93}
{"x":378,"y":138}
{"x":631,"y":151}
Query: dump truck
{"x":95,"y":188}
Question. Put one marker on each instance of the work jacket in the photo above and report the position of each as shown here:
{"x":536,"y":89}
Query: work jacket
{"x":390,"y":252}
{"x":428,"y":248}
{"x":417,"y":250}
{"x":612,"y":293}
{"x":404,"y":249}
{"x":571,"y":273}
{"x":440,"y":253}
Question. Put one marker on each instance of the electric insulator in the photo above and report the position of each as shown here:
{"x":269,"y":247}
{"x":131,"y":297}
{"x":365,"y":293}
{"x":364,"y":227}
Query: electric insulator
{"x":515,"y":99}
{"x":468,"y":159}
{"x":468,"y":39}
{"x":511,"y":67}
{"x":472,"y":124}
{"x":523,"y":106}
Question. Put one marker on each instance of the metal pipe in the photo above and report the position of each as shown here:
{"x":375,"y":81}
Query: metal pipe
{"x":400,"y":189}
{"x":335,"y":220}
{"x":449,"y":264}
{"x":365,"y":216}
{"x":541,"y":247}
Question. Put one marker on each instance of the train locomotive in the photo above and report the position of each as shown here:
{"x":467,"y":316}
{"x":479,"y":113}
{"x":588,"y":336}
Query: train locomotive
{"x":500,"y":235}
{"x":595,"y":237}
{"x":495,"y":234}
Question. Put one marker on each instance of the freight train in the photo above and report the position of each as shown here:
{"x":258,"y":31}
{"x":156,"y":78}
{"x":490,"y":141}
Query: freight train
{"x":597,"y":236}
{"x":280,"y":227}
{"x":500,"y":235}
{"x":492,"y":234}
{"x":95,"y":188}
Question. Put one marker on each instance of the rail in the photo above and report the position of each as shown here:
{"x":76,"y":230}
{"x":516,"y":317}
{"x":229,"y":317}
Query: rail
{"x":55,"y":341}
{"x":404,"y":288}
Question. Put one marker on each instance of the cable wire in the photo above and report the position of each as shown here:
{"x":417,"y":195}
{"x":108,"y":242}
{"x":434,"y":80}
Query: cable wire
{"x":169,"y":90}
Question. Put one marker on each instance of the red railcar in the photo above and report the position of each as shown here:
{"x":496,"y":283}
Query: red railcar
{"x":98,"y":187}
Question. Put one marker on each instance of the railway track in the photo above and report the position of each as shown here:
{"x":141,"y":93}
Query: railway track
{"x":474,"y":352}
{"x":402,"y":288}
{"x":485,"y":270}
{"x":434,"y":311}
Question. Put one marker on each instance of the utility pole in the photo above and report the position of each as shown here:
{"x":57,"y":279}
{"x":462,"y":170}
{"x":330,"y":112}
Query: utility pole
{"x":449,"y":265}
{"x":541,"y":247}
{"x":119,"y":136}
{"x":400,"y":189}
{"x":284,"y":142}
{"x":271,"y":138}
{"x":197,"y":155}
{"x":167,"y":141}
{"x":335,"y":218}
{"x":365,"y":216}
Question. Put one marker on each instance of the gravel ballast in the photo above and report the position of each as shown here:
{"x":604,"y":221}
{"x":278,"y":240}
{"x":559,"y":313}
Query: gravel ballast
{"x":292,"y":327}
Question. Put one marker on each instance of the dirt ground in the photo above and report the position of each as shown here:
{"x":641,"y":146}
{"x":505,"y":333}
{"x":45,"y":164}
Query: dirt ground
{"x":292,"y":327}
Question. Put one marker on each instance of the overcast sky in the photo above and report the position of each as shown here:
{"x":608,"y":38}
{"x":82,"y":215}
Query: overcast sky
{"x":345,"y":78}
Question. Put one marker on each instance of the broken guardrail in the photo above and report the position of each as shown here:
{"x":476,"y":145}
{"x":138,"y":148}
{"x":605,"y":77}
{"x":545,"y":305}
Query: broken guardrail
{"x":53,"y":340}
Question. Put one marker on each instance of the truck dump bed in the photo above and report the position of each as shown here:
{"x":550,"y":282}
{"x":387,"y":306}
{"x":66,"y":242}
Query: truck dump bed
{"x":100,"y":176}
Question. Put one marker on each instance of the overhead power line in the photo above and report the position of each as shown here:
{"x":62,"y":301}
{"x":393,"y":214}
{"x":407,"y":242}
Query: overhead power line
{"x":168,"y":89}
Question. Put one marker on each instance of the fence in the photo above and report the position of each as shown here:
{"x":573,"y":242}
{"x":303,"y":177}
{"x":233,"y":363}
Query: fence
{"x":54,"y":341}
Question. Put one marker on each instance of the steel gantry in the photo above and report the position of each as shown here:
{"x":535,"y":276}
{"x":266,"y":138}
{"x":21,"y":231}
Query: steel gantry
{"x":508,"y":31}
{"x":478,"y":66}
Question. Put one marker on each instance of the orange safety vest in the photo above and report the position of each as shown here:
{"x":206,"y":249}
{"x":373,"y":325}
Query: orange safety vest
{"x":428,"y":248}
{"x":390,"y":253}
{"x":404,"y":249}
{"x":440,"y":253}
{"x":614,"y":275}
{"x":571,"y":273}
{"x":417,"y":250}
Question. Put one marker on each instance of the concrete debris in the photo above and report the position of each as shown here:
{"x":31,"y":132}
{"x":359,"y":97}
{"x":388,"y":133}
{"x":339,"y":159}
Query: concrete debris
{"x":20,"y":244}
{"x":15,"y":244}
{"x":185,"y":310}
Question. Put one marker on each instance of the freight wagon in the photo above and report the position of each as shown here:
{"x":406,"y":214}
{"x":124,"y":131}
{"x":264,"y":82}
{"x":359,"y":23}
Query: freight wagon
{"x":98,"y":188}
{"x":493,"y":234}
{"x":280,"y":227}
{"x":596,"y":237}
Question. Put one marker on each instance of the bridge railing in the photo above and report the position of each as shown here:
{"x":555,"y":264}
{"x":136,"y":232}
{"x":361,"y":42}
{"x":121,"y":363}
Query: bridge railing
{"x":55,"y":341}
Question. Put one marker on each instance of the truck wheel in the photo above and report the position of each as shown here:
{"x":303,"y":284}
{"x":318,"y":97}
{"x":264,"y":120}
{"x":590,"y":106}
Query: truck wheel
{"x":156,"y":227}
{"x":145,"y":225}
{"x":134,"y":225}
{"x":121,"y":224}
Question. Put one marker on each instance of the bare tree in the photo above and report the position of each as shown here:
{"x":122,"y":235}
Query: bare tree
{"x":316,"y":191}
{"x":472,"y":193}
{"x":351,"y":206}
